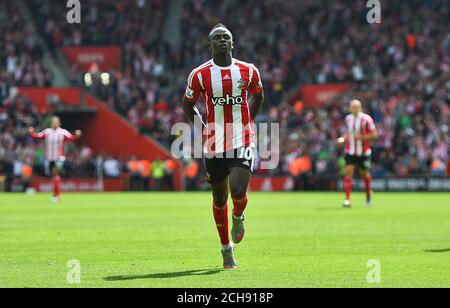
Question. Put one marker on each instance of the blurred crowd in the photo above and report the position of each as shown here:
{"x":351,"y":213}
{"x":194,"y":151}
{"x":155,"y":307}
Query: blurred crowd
{"x":149,"y":64}
{"x":156,"y":175}
{"x":20,"y":53}
{"x":121,"y":23}
{"x":400,"y":69}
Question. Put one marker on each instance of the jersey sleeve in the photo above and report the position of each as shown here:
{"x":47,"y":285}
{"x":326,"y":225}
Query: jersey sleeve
{"x":193,"y":87}
{"x":256,"y":85}
{"x":39,"y":136}
{"x":370,"y":125}
{"x":68,"y":136}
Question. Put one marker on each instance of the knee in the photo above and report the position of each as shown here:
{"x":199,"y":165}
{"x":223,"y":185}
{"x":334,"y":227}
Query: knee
{"x":220,"y":200}
{"x":365,"y":174}
{"x":238,"y":193}
{"x":349,"y":172}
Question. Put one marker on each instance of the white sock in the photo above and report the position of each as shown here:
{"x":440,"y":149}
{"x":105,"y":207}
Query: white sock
{"x":227,"y":247}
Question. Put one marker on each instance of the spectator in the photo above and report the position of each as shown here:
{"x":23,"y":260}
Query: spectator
{"x":300,"y":169}
{"x":437,"y":168}
{"x":6,"y":172}
{"x":145,"y":167}
{"x":112,"y":167}
{"x":135,"y":175}
{"x":170,"y":166}
{"x":158,"y":172}
{"x":191,"y":174}
{"x":2,"y":181}
{"x":27,"y":174}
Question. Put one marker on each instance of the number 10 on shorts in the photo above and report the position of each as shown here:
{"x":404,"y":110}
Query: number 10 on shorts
{"x":246,"y":153}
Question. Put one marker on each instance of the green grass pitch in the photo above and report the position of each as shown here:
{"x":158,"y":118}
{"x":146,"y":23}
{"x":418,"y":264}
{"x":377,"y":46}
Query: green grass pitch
{"x":169,"y":240}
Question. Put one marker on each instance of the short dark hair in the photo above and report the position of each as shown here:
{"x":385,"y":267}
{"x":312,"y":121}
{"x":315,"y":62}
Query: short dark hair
{"x":219,"y":25}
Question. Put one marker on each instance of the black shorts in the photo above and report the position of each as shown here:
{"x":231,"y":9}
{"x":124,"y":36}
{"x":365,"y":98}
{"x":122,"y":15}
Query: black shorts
{"x":362,"y":162}
{"x":218,"y":168}
{"x":58,"y":164}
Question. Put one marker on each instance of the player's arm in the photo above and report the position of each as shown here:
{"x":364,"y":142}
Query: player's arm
{"x":191,"y":112}
{"x":372,"y":133}
{"x":34,"y":135}
{"x":257,"y":104}
{"x":190,"y":98}
{"x":70,"y":137}
{"x":78,"y":134}
{"x":188,"y":109}
{"x":341,"y":139}
{"x":369,"y":137}
{"x":257,"y":91}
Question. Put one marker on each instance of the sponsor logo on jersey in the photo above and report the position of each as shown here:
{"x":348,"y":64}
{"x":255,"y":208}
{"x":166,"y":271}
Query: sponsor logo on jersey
{"x":227,"y":100}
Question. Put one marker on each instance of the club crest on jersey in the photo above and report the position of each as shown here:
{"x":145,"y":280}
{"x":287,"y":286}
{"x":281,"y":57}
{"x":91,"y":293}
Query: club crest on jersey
{"x":227,"y":100}
{"x":241,"y":84}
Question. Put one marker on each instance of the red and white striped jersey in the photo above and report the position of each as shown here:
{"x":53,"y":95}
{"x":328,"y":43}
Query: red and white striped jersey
{"x":224,"y":91}
{"x":362,"y":125}
{"x":54,"y":142}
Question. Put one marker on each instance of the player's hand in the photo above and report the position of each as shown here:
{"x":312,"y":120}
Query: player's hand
{"x":31,"y":130}
{"x":78,"y":133}
{"x":340,"y":140}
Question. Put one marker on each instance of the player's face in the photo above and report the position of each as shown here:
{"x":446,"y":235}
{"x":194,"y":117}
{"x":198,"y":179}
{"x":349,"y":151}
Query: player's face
{"x":220,"y":42}
{"x":355,"y":108}
{"x":56,"y":123}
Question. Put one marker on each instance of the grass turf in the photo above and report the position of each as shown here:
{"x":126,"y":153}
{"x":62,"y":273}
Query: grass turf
{"x":169,"y":240}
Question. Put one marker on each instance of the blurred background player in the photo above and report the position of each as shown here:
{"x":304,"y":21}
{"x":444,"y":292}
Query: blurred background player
{"x":224,"y":83}
{"x":55,"y":137}
{"x":361,"y":131}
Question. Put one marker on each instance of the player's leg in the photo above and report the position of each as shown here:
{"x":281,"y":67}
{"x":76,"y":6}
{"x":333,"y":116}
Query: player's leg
{"x":56,"y":181}
{"x":218,"y":179}
{"x":239,"y":181}
{"x":220,"y":211}
{"x":348,"y":184}
{"x":367,"y":179}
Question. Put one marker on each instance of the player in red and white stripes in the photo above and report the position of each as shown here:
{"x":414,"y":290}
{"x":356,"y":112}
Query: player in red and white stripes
{"x":55,"y":137}
{"x":224,"y":83}
{"x":361,"y":132}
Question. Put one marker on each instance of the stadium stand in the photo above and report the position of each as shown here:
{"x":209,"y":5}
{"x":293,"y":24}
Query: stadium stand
{"x":400,"y":69}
